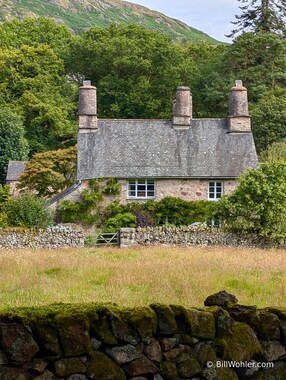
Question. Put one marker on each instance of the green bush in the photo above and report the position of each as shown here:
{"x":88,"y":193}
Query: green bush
{"x":27,"y":210}
{"x":258,"y":205}
{"x":121,"y":220}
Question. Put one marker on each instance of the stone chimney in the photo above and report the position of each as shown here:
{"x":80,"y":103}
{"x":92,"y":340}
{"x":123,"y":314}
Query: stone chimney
{"x":182,"y":108}
{"x":239,"y":120}
{"x":87,"y":108}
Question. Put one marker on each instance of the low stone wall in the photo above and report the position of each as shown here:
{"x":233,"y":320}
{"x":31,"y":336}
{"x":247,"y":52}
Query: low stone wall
{"x":53,"y":237}
{"x":186,"y":236}
{"x":223,"y":342}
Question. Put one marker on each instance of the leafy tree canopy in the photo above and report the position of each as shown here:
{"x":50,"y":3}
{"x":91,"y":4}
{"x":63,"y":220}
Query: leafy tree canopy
{"x":269,"y":118}
{"x":32,"y":81}
{"x":50,"y":172}
{"x":135,"y":70}
{"x":261,"y":16}
{"x":274,"y":152}
{"x":13,"y":145}
{"x":258,"y":205}
{"x":35,"y":32}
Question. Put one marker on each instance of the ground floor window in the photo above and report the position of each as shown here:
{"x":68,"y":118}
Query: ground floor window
{"x":141,"y":188}
{"x":215,"y":190}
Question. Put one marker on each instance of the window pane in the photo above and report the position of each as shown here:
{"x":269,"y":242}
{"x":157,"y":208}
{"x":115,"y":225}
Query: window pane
{"x":132,"y":193}
{"x":141,"y":181}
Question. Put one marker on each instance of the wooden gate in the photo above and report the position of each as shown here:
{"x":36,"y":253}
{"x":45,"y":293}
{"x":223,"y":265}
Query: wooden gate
{"x":103,"y":239}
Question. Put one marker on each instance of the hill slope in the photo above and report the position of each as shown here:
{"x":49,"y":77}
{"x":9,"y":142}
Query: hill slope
{"x":80,"y":15}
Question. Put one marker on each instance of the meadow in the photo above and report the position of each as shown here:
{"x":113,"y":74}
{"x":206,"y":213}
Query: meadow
{"x":141,"y":276}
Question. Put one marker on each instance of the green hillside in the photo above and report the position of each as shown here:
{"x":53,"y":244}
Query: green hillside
{"x":80,"y":15}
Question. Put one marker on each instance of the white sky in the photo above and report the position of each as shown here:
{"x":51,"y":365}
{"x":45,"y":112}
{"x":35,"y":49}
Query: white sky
{"x":210,"y":16}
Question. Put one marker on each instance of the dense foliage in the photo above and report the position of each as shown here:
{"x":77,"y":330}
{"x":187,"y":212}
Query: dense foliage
{"x":105,"y":212}
{"x":258,"y":205}
{"x":50,"y":172}
{"x":261,"y":16}
{"x":136,"y":72}
{"x":26,"y":210}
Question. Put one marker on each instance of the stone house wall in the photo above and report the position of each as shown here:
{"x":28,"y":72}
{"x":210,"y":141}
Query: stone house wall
{"x":186,"y":189}
{"x":223,"y":341}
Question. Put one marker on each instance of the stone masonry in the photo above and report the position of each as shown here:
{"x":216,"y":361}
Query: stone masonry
{"x":223,"y":341}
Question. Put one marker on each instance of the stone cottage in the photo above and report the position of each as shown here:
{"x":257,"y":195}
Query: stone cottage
{"x":194,"y":159}
{"x":14,"y":171}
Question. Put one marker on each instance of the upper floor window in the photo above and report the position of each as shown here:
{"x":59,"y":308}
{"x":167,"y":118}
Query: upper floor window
{"x":141,"y":188}
{"x":215,"y":190}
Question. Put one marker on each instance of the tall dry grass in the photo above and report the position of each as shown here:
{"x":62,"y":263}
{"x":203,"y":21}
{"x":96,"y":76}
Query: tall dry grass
{"x":140,"y":276}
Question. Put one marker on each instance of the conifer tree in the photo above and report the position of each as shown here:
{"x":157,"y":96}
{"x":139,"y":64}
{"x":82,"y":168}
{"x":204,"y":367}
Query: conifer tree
{"x":261,"y":16}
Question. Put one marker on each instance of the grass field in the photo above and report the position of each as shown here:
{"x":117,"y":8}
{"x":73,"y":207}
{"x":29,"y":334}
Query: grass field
{"x":140,"y":276}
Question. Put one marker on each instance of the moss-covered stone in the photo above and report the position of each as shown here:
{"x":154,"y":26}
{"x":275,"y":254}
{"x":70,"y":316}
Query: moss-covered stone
{"x":168,"y":371}
{"x":219,"y":374}
{"x":223,"y":321}
{"x":101,"y":367}
{"x":272,"y":350}
{"x":204,"y":353}
{"x":48,"y":375}
{"x":123,"y":330}
{"x":100,"y":327}
{"x":48,"y":339}
{"x":69,"y":366}
{"x":202,"y":324}
{"x":241,"y":345}
{"x":245,"y":314}
{"x":197,"y":323}
{"x":173,"y":354}
{"x":278,"y":372}
{"x":268,"y":326}
{"x":74,"y":336}
{"x":166,"y":324}
{"x":189,"y":367}
{"x":18,"y":343}
{"x":9,"y":373}
{"x":142,"y":319}
{"x":141,"y":366}
{"x":168,"y":343}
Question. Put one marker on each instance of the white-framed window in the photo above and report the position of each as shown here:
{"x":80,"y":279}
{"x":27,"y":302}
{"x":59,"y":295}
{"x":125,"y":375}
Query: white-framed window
{"x":141,"y":188}
{"x":215,"y":190}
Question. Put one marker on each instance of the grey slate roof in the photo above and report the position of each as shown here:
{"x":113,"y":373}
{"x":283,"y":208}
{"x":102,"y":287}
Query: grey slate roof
{"x":15,"y":169}
{"x":152,"y":148}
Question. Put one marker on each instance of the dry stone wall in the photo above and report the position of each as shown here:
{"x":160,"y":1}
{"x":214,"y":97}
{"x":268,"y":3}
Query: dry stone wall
{"x":53,"y":237}
{"x":224,"y":341}
{"x":187,"y":236}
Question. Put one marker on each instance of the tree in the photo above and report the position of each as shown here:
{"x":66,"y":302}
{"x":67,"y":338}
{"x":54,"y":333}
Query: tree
{"x":13,"y":145}
{"x":35,"y":32}
{"x":258,"y":205}
{"x":261,"y":16}
{"x":259,"y":60}
{"x":28,"y":210}
{"x":269,"y":118}
{"x":32,"y":81}
{"x":274,"y":152}
{"x":135,"y":70}
{"x":50,"y":172}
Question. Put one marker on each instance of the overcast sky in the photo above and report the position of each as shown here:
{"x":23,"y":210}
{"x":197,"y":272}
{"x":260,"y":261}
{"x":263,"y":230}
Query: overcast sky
{"x":210,"y":16}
